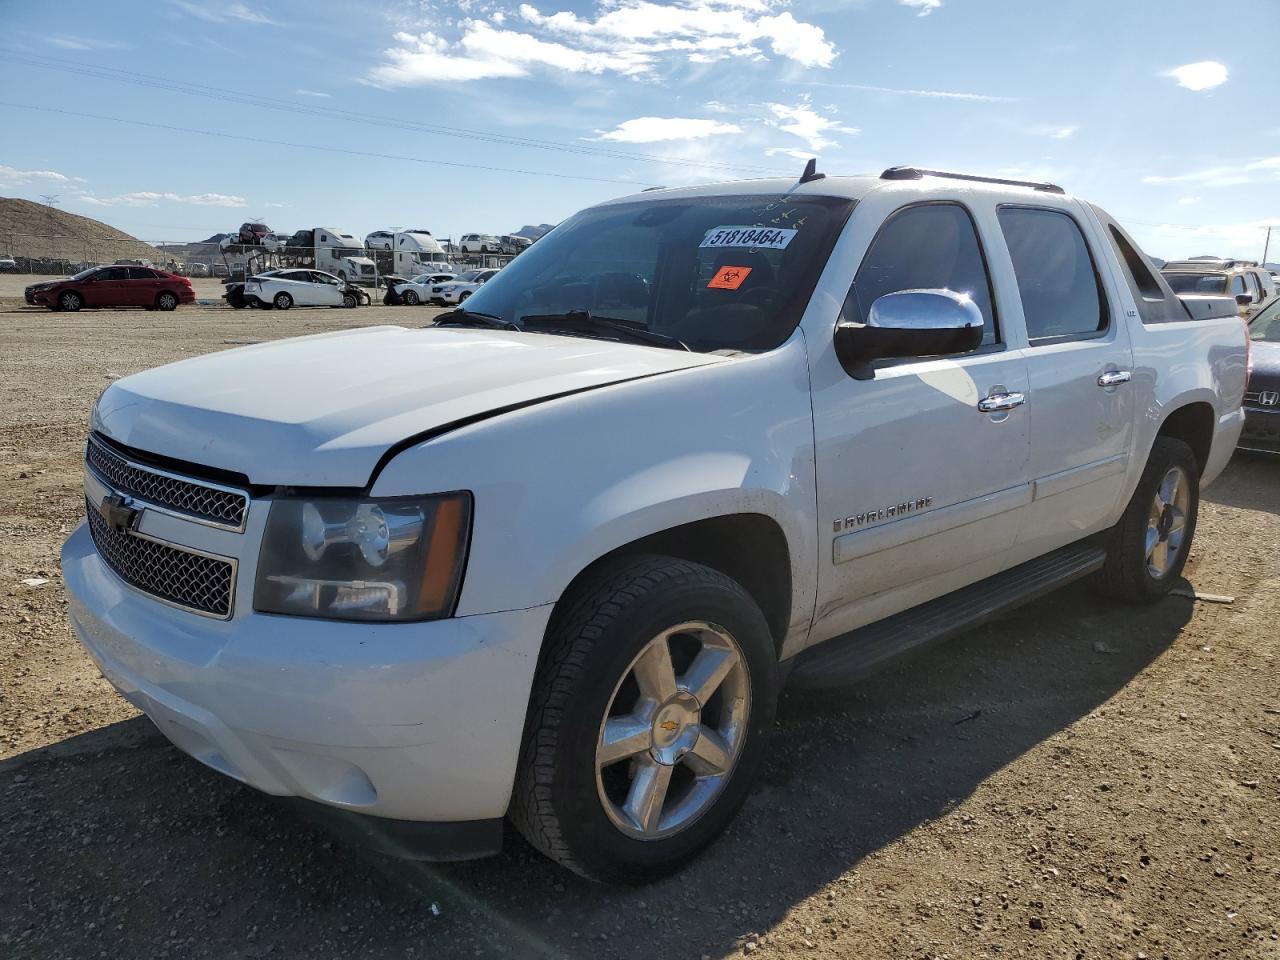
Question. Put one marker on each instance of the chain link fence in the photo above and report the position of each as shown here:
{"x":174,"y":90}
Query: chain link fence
{"x":55,"y":256}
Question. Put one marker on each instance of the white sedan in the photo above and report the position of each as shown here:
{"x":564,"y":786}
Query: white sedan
{"x":461,"y":286}
{"x":418,"y":290}
{"x":283,"y":289}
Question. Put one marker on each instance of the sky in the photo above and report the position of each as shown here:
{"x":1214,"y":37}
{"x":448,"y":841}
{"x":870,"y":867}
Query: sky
{"x":177,"y":119}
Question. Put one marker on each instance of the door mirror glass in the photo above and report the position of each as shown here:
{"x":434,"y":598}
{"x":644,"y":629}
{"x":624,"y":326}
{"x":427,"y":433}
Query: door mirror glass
{"x":911,"y":323}
{"x":1243,"y":299}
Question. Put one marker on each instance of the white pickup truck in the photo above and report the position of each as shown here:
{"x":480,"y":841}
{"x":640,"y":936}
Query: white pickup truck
{"x":554,"y":557}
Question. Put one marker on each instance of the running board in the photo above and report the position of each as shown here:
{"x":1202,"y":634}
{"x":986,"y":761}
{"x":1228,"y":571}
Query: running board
{"x":846,"y":659}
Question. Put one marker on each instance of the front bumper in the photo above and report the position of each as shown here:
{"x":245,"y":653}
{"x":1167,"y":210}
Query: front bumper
{"x":409,"y":722}
{"x":1261,"y":430}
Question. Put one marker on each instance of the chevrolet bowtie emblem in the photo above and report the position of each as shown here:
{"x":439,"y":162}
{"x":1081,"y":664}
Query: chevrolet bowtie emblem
{"x":119,"y":512}
{"x":668,"y":725}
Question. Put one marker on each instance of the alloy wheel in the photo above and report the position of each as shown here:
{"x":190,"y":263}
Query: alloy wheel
{"x":1167,"y":522}
{"x":673,"y":730}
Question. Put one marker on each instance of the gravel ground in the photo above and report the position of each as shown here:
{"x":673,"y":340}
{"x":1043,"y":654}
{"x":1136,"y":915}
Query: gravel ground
{"x":1079,"y":779}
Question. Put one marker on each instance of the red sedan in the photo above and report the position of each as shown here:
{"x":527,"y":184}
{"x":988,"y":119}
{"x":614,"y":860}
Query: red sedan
{"x":115,"y":286}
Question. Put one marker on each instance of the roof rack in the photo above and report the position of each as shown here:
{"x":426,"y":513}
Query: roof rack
{"x":916,"y":173}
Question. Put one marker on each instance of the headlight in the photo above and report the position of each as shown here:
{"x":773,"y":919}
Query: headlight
{"x":369,"y":559}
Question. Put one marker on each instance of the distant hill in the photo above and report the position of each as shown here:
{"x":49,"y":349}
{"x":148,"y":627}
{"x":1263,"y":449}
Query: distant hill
{"x":532,"y":232}
{"x":34,"y":230}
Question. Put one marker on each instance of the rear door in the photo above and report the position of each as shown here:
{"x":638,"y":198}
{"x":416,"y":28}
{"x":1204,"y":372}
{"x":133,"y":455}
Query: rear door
{"x":1080,"y":366}
{"x":920,"y":488}
{"x":139,"y":289}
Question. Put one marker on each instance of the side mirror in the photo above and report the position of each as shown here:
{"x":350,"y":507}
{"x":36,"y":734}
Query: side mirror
{"x":910,"y":323}
{"x":1244,"y":300}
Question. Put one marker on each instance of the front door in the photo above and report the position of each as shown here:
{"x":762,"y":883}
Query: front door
{"x":922,"y":479}
{"x":1080,"y":365}
{"x":325,"y":290}
{"x":107,"y":288}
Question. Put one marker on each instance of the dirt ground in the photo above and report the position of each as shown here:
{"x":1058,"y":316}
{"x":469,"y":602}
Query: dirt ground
{"x":1080,"y":779}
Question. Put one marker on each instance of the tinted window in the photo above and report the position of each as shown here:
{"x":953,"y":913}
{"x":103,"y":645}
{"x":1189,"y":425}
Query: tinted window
{"x":927,"y":246}
{"x":141,"y":273}
{"x":1212,"y":283}
{"x":1254,"y":290}
{"x":114,"y":273}
{"x":1237,"y":285}
{"x":1152,"y":295}
{"x":1060,"y":291}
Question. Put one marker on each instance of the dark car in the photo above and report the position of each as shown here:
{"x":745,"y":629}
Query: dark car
{"x":1262,"y":395}
{"x":252,"y":234}
{"x":113,"y":286}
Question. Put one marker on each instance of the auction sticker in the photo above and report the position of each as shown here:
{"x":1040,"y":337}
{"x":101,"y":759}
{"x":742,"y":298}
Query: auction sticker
{"x":728,"y":278}
{"x":768,"y":238}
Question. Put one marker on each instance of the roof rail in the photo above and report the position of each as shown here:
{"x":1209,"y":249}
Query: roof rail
{"x":915,"y":173}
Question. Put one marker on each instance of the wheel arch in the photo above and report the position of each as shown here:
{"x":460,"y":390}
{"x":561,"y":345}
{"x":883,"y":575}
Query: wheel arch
{"x":1193,"y":423}
{"x":750,"y":548}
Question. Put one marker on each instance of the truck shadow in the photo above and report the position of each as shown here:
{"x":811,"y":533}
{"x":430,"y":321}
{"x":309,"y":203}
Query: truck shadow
{"x":173,"y":856}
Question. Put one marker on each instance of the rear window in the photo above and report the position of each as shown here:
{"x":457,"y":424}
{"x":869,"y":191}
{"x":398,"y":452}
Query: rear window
{"x":1208,"y":283}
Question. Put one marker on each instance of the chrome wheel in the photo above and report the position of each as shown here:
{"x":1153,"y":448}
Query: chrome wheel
{"x":1167,"y":522}
{"x":673,"y":730}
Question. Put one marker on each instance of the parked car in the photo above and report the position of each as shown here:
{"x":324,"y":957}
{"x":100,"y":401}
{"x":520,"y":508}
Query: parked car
{"x":197,"y":269}
{"x":554,"y":561}
{"x":461,"y":287}
{"x":8,"y":265}
{"x":480,"y":243}
{"x":514,"y":245}
{"x":1262,"y":399}
{"x":114,"y":286}
{"x":1250,"y":285}
{"x":282,"y":289}
{"x":380,"y":240}
{"x":418,"y":290}
{"x":220,"y":269}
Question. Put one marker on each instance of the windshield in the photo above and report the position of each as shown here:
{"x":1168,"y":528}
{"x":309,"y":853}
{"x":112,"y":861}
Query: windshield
{"x":84,"y":273}
{"x":1197,"y":282}
{"x":1266,"y":325}
{"x":468,"y":276}
{"x":718,"y":273}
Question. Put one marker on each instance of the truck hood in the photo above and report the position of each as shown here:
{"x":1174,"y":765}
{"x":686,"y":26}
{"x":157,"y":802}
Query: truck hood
{"x":322,"y":410}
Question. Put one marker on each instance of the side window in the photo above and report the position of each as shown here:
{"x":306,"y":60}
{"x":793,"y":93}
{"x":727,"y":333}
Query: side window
{"x":141,"y":273}
{"x":1062,"y":296}
{"x":1237,"y":285}
{"x":925,"y":246}
{"x":114,"y":273}
{"x":1255,"y":291}
{"x":1155,"y":300}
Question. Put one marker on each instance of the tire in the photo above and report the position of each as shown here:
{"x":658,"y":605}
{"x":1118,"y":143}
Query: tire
{"x":1148,"y":548}
{"x":282,"y":301}
{"x":599,"y":636}
{"x":167,"y":301}
{"x":463,"y":295}
{"x":70,"y":301}
{"x":350,"y":300}
{"x":410,"y":298}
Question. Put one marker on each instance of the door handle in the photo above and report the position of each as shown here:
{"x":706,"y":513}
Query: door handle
{"x":1113,"y":378}
{"x":1001,"y":401}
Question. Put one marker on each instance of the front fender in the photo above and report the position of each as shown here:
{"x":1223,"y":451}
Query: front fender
{"x":561,"y":483}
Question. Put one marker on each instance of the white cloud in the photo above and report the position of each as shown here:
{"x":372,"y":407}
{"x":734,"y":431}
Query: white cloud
{"x":1061,"y":133}
{"x":151,"y":198}
{"x":301,"y":92}
{"x":789,"y":152}
{"x":806,"y":123}
{"x":69,"y":41}
{"x":1203,"y":75}
{"x":275,"y":204}
{"x":656,"y":129}
{"x":936,"y":94}
{"x":925,"y":7}
{"x":626,"y":37}
{"x":214,"y":13}
{"x":1264,"y":170}
{"x":11,"y":176}
{"x":1188,"y":201}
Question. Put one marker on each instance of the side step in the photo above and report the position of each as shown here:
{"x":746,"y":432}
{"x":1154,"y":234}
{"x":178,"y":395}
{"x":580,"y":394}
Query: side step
{"x":845,"y":660}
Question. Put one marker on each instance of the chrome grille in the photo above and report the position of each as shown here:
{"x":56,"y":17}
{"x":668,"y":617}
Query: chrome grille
{"x":194,"y":581}
{"x":220,"y":506}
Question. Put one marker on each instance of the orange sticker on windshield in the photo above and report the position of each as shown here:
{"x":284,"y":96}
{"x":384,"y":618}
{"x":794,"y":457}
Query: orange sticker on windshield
{"x":728,"y":278}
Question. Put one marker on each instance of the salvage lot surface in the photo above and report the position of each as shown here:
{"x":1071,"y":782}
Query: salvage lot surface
{"x":1080,"y":779}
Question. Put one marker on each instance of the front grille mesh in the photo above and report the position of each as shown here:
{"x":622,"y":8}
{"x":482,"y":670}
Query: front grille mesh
{"x":223,"y":507}
{"x":188,"y":580}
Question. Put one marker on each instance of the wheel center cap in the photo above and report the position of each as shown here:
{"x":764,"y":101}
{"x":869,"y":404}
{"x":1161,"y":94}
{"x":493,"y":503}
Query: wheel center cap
{"x":675,"y":728}
{"x":1166,"y":522}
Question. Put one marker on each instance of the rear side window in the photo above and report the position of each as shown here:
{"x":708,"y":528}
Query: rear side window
{"x":1237,"y":285}
{"x":926,"y":246}
{"x":1255,"y":291}
{"x":141,"y":273}
{"x":1062,"y":297}
{"x":1155,"y":300}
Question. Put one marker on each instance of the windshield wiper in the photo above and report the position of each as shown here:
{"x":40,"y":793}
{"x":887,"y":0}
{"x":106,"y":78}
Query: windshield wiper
{"x":462,"y":317}
{"x":582,"y":320}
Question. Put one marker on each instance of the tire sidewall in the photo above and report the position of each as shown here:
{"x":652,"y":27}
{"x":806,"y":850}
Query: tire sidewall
{"x":70,"y":301}
{"x":167,"y":302}
{"x":410,"y":298}
{"x":592,"y":837}
{"x":1163,"y":457}
{"x":282,"y":301}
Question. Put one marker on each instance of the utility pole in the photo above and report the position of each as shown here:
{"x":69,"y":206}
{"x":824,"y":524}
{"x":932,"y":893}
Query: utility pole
{"x":1266,"y":246}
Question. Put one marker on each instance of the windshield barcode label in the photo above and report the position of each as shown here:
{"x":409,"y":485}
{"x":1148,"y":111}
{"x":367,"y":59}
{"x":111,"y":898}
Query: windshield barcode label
{"x":769,"y":238}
